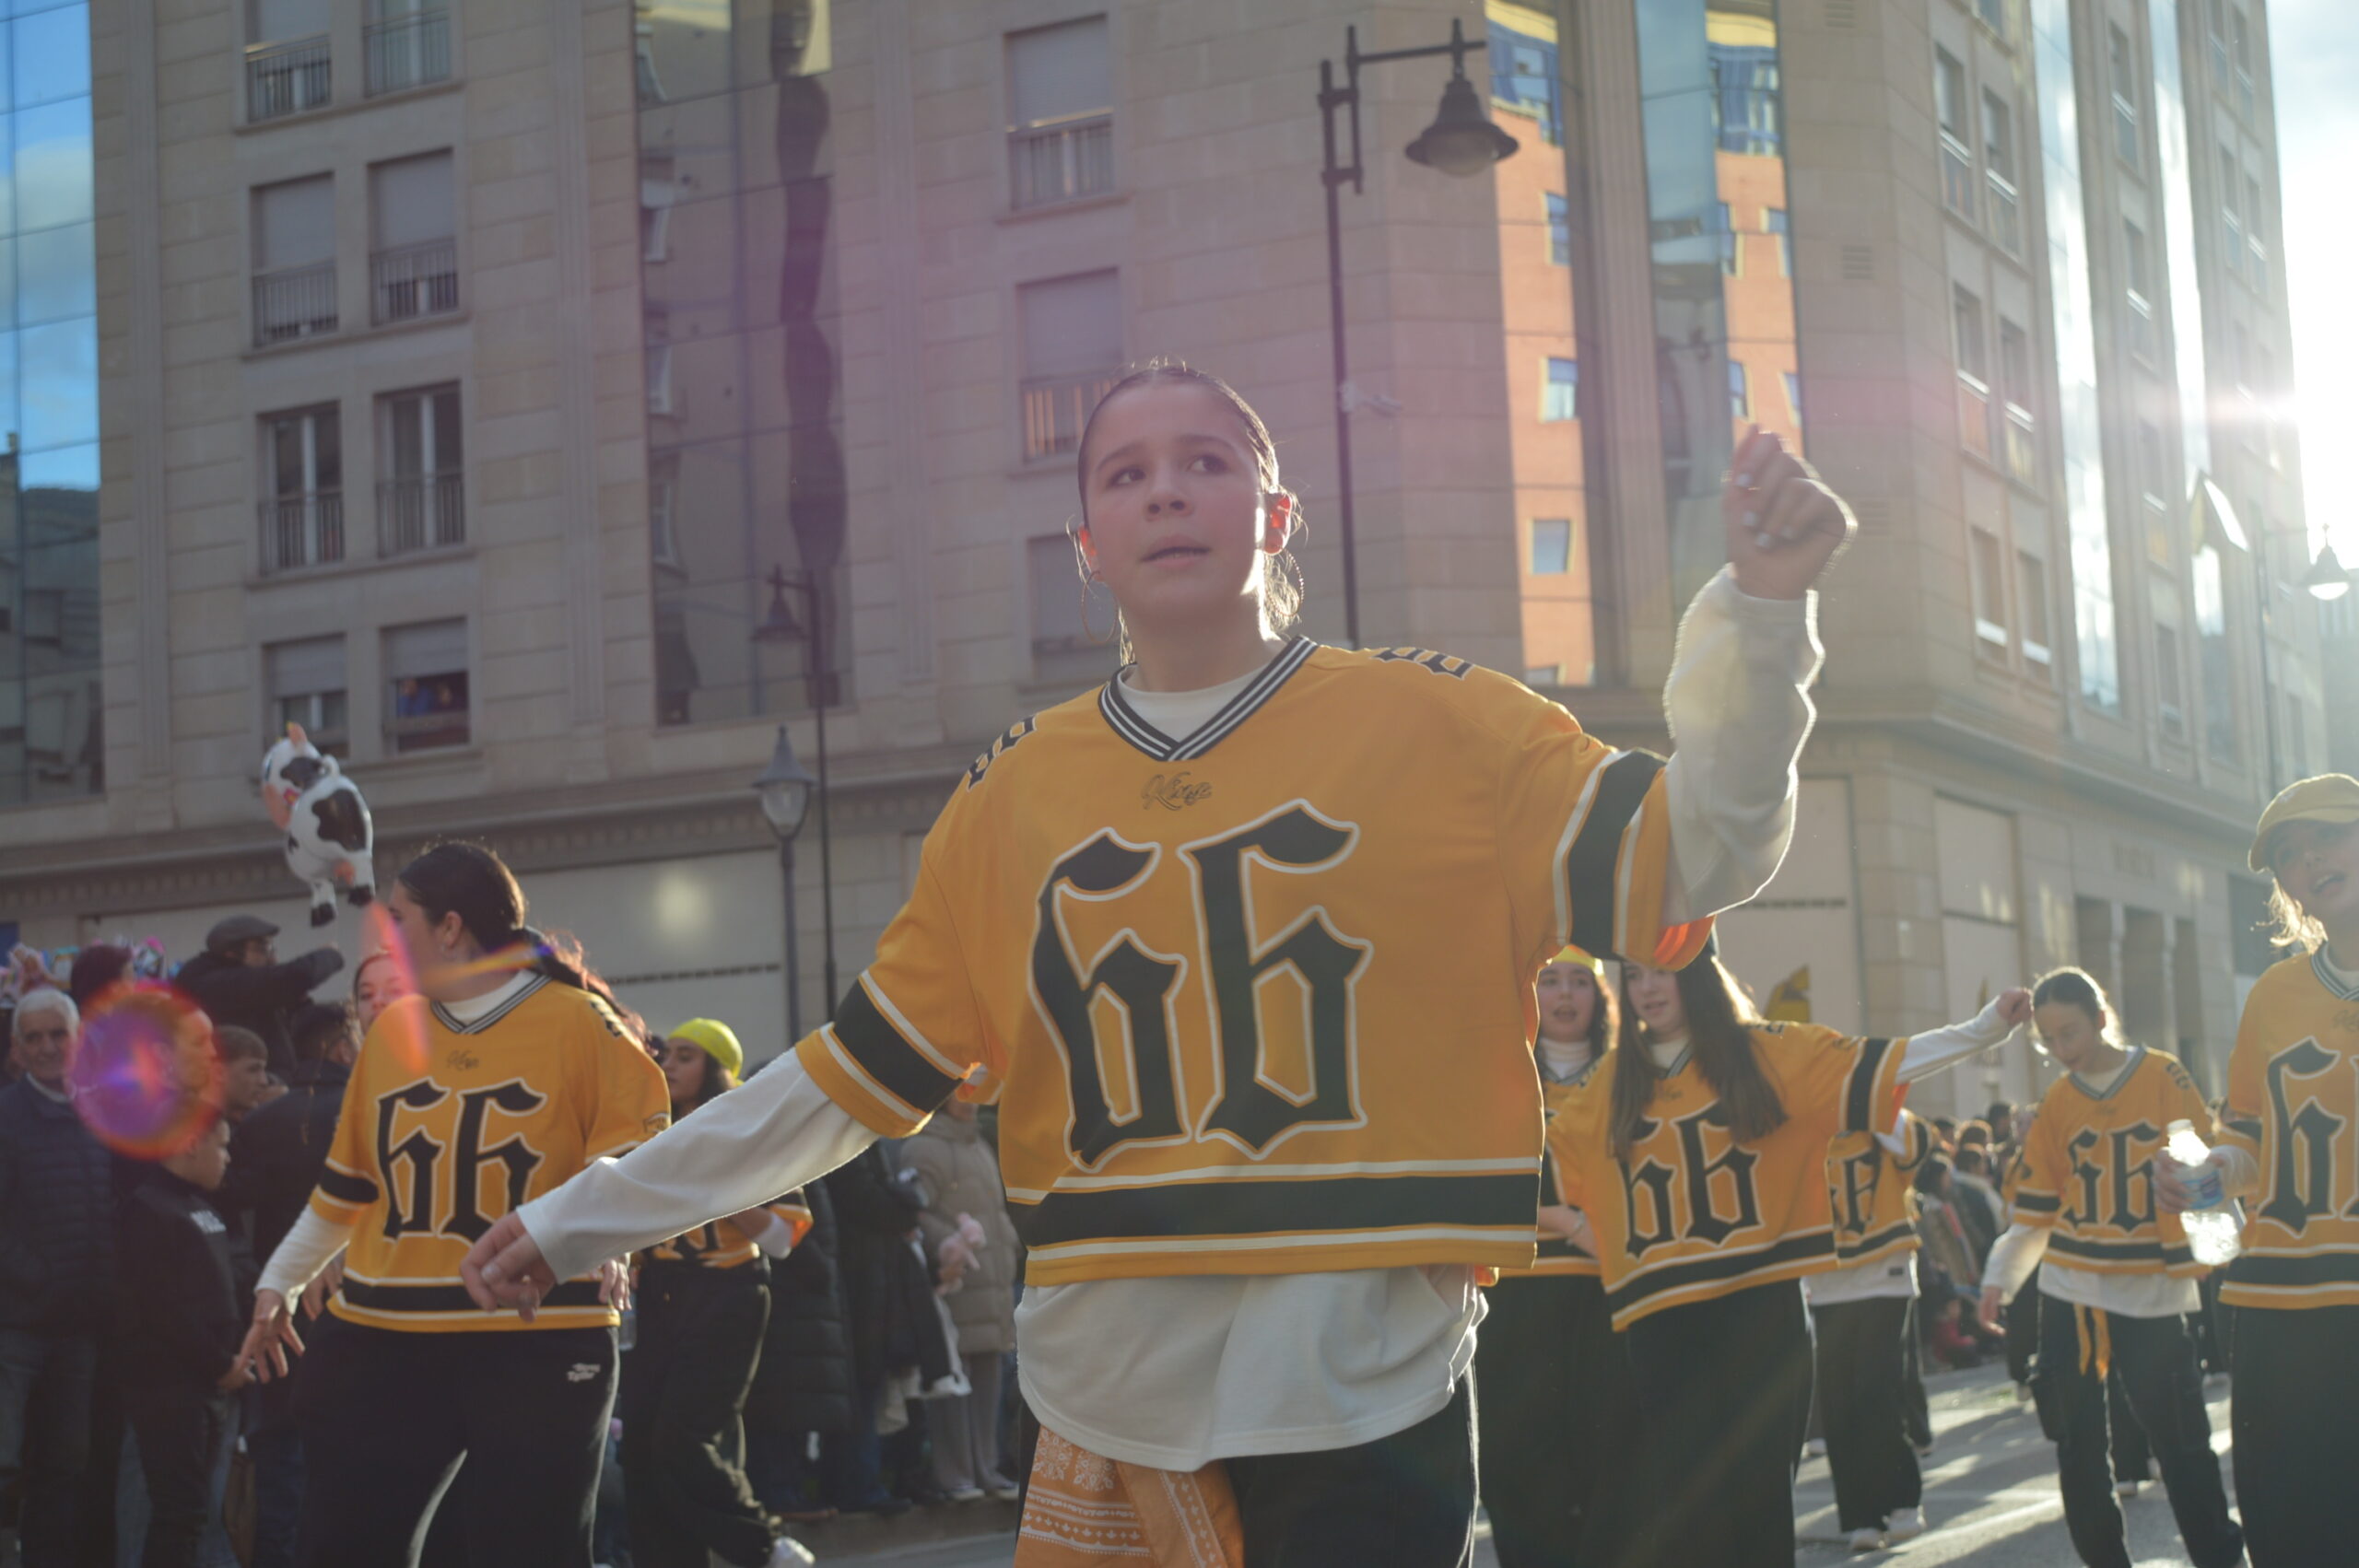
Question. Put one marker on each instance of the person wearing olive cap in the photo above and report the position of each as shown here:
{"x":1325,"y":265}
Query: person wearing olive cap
{"x":238,"y":981}
{"x":2286,"y":1148}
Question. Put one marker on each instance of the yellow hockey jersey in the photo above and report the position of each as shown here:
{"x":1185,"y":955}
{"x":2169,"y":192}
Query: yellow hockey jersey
{"x":1693,"y":1215}
{"x":725,"y":1244}
{"x":1867,"y":1188}
{"x":2089,"y":1168}
{"x":1557,"y":1253}
{"x":2294,"y":1101}
{"x":447,"y":1126}
{"x":1257,"y":999}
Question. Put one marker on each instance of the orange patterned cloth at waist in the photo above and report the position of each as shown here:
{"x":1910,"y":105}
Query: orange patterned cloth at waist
{"x":1082,"y":1510}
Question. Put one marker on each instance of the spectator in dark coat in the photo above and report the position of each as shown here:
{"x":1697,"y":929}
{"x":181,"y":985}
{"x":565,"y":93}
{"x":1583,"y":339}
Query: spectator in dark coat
{"x":876,"y":1213}
{"x":803,"y":1384}
{"x":973,"y":1244}
{"x":183,"y":1320}
{"x":57,"y":1261}
{"x":238,"y":980}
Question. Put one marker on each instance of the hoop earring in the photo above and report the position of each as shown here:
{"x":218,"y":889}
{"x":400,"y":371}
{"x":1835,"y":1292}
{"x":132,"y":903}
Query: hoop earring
{"x":1086,"y":629}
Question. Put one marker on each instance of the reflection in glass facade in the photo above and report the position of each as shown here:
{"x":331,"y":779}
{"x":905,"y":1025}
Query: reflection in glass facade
{"x":1716,"y":202}
{"x":49,"y":707}
{"x":745,"y":467}
{"x":2072,"y":329}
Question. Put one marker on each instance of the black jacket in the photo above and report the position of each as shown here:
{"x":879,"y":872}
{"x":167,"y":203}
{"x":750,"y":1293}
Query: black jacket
{"x":258,"y":997}
{"x":179,"y":1312}
{"x":57,"y":1252}
{"x":877,"y":1212}
{"x":804,"y":1381}
{"x":277,"y":1152}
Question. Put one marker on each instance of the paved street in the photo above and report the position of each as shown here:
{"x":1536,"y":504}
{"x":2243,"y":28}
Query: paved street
{"x":1989,"y":1490}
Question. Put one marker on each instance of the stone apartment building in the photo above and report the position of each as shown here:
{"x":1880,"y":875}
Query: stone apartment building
{"x":466,"y":369}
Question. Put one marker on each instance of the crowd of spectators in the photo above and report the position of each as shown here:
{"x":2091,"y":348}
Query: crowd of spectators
{"x":881,"y":1380}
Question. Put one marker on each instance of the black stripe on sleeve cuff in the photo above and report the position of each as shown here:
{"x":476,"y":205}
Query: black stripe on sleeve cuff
{"x":2038,"y":1203}
{"x":1592,"y":862}
{"x":351,"y":1191}
{"x":870,"y":1039}
{"x":1860,"y":1104}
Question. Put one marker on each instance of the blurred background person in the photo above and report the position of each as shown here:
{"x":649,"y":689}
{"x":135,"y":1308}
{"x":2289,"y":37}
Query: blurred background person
{"x":238,"y":981}
{"x":968,"y":1231}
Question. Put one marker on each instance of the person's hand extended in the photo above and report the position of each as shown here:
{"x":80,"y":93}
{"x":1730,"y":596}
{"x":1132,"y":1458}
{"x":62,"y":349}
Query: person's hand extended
{"x":506,"y":1269}
{"x":1784,"y":525}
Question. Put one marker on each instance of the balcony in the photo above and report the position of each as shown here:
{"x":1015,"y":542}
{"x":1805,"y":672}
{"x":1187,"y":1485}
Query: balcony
{"x":302,"y":530}
{"x":1054,"y":412}
{"x":411,"y":51}
{"x":1974,"y":415}
{"x":421,"y":511}
{"x":287,"y":78}
{"x":409,"y":281}
{"x":1062,"y":160}
{"x":1958,"y":177}
{"x":2023,"y":444}
{"x":295,"y":302}
{"x":2006,"y":214}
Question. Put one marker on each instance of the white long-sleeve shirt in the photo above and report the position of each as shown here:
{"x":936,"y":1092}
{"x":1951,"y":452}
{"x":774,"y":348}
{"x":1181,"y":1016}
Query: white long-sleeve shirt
{"x":1175,"y":1372}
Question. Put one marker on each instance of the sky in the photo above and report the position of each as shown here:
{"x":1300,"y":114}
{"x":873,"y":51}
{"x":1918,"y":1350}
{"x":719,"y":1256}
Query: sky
{"x":2314,"y":55}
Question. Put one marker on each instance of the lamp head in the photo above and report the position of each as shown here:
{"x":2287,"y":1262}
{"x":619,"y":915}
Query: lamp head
{"x":2326,"y":579}
{"x":785,"y":788}
{"x":1462,"y":140}
{"x":778,"y":623}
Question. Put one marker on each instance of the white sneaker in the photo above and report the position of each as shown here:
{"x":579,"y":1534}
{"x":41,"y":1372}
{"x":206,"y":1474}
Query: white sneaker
{"x":1867,"y":1538}
{"x":966,"y":1494}
{"x":1816,"y":1448}
{"x":1907,"y":1524}
{"x":2125,"y":1489}
{"x":788,"y":1552}
{"x":1004,"y":1490}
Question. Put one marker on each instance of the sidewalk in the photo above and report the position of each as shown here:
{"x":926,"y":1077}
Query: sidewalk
{"x":917,"y":1537}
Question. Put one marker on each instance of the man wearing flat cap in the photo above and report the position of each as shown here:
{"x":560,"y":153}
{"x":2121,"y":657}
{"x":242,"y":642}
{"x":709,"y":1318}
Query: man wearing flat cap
{"x":238,"y":980}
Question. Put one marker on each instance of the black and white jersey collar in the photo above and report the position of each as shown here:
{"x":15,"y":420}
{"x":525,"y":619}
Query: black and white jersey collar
{"x":458,"y":1025}
{"x":2122,"y":1076}
{"x":2327,"y":978}
{"x":1126,"y":722}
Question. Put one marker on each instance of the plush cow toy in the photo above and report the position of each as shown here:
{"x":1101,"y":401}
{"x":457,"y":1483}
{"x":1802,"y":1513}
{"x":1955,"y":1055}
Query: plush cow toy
{"x":324,"y":822}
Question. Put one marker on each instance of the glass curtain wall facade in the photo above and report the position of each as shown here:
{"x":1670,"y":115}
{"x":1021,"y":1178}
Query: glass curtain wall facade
{"x":1725,"y":353}
{"x":746,"y":466}
{"x":51,"y":710}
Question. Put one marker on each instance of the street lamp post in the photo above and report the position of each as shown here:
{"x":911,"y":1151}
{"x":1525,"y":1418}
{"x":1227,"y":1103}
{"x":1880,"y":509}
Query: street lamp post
{"x":1460,"y":141}
{"x":786,"y":788}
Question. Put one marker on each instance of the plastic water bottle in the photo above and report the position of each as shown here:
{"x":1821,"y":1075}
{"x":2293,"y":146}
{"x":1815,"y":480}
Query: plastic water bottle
{"x":2214,"y":1229}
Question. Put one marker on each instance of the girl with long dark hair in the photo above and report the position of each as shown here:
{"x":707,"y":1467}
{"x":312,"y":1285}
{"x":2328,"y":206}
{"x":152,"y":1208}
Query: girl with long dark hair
{"x":1699,"y":1151}
{"x":1244,"y":940}
{"x":510,"y":1069}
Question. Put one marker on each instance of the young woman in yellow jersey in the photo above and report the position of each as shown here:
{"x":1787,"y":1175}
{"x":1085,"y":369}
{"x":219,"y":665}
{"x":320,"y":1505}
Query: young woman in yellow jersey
{"x":703,"y":1302}
{"x":1553,"y":1385}
{"x":2291,"y":1148}
{"x":1698,"y":1153}
{"x":1862,"y":1311}
{"x":2116,"y":1281}
{"x":1244,"y":940}
{"x":509,"y":1071}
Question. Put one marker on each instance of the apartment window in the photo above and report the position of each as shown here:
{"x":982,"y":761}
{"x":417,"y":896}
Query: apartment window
{"x":2232,"y":227}
{"x":1072,"y":622}
{"x":287,"y":58}
{"x":1794,"y":397}
{"x":303,"y":506}
{"x":1950,"y":109}
{"x":2140,"y":294}
{"x":2170,"y":695}
{"x":1524,"y":78}
{"x":1740,"y":391}
{"x":1061,"y":113}
{"x":2219,"y":19}
{"x":663,"y":504}
{"x":1731,"y":261}
{"x":404,"y":44}
{"x":1072,"y":352}
{"x":2015,"y":396}
{"x":2240,"y":41}
{"x":1552,"y":546}
{"x":1988,"y":572}
{"x":2031,"y":584}
{"x":1560,"y":231}
{"x":305,"y":680}
{"x":421,"y":494}
{"x":294,"y":227}
{"x":1999,"y":172}
{"x":1560,"y":394}
{"x":2154,"y":484}
{"x":426,"y":680}
{"x":414,"y":254}
{"x":2125,"y":97}
{"x":1774,"y":220}
{"x":1994,"y":13}
{"x":2256,"y":235}
{"x":1972,"y":372}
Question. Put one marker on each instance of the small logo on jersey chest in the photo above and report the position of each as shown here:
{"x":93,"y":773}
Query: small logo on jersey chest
{"x":1173,"y":792}
{"x":581,"y":1371}
{"x":464,"y":1059}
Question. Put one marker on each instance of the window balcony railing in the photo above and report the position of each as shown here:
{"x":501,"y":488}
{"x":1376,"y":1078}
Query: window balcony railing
{"x":2023,"y":444}
{"x":1062,"y":160}
{"x":295,"y":302}
{"x":1957,"y":177}
{"x":287,"y":78}
{"x":409,"y":281}
{"x":1054,"y":412}
{"x":1974,"y":415}
{"x":421,"y":511}
{"x":409,"y":51}
{"x":303,"y":529}
{"x":2006,"y":214}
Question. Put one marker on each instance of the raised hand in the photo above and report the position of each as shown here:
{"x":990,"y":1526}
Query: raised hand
{"x":505,"y":1269}
{"x":2014,"y":1007}
{"x":1783,"y":523}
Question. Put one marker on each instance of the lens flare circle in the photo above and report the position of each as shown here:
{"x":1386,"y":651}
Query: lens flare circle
{"x":148,"y":1079}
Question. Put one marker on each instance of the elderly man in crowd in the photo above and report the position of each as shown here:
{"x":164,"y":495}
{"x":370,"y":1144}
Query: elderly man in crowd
{"x":56,"y":1277}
